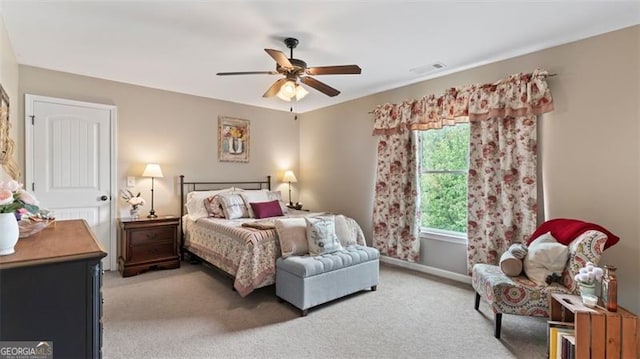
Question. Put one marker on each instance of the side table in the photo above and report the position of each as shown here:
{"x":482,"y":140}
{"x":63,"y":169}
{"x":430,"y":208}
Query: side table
{"x":148,"y":243}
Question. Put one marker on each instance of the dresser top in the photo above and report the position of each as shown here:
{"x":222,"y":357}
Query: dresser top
{"x":60,"y":242}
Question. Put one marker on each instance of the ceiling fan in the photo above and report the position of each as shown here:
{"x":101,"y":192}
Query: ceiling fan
{"x":293,"y":69}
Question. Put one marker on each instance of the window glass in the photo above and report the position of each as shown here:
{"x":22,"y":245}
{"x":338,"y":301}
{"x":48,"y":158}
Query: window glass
{"x":445,"y":162}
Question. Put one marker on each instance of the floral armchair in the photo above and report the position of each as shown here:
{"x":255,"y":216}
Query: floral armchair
{"x":519,"y":295}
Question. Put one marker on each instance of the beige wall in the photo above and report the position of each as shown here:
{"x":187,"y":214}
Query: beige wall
{"x":9,"y":81}
{"x":590,"y":153}
{"x":178,"y":131}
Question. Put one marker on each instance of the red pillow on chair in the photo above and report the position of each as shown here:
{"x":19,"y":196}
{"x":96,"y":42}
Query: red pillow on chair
{"x":266,"y":209}
{"x":566,"y":230}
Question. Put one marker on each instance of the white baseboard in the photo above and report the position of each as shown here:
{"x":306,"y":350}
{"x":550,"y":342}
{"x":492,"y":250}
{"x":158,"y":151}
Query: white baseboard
{"x":427,"y":269}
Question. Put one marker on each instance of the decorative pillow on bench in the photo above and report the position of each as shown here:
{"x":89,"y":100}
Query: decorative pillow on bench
{"x":294,"y":238}
{"x":321,"y":235}
{"x":292,"y":234}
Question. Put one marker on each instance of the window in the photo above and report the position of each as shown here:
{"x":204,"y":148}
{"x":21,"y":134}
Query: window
{"x":445,"y":162}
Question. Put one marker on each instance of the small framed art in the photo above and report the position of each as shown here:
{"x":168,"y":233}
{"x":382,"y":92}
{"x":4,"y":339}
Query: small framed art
{"x":7,"y":145}
{"x":233,"y":139}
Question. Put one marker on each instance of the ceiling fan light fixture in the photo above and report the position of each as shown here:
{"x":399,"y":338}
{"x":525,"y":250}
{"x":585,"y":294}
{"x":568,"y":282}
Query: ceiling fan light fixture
{"x":301,"y":92}
{"x":288,"y":90}
{"x":283,"y":97}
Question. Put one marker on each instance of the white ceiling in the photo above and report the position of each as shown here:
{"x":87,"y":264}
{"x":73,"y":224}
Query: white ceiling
{"x":180,"y":45}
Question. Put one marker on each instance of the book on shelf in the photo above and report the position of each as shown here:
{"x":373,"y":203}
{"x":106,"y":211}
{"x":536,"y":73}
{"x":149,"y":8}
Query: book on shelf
{"x":554,"y":340}
{"x":568,"y":346}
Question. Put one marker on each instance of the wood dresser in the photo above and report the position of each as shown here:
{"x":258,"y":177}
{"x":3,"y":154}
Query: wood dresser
{"x":51,"y":290}
{"x":147,"y":243}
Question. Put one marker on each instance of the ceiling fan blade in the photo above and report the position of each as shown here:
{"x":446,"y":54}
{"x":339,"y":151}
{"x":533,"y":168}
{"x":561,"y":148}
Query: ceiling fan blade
{"x":247,"y":73}
{"x":335,"y":70}
{"x":280,"y":58}
{"x":320,"y":86}
{"x":273,"y":90}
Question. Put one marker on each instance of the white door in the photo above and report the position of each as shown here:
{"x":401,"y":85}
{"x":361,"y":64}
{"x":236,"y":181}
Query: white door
{"x":69,"y":162}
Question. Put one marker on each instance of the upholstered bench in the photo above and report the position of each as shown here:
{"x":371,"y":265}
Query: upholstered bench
{"x":307,"y":281}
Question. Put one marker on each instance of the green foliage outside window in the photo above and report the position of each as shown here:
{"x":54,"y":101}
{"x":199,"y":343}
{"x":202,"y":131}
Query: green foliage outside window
{"x":445,"y":161}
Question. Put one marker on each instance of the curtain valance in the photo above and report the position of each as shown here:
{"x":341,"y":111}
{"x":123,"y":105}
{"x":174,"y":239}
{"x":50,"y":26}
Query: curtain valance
{"x":518,"y":95}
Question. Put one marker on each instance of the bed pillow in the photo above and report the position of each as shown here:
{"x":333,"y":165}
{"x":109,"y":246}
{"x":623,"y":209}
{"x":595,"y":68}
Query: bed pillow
{"x":205,"y":194}
{"x":292,"y":233}
{"x":233,"y":205}
{"x":276,"y":195}
{"x":266,"y":209}
{"x":195,"y":202}
{"x":252,"y":196}
{"x":545,"y":257}
{"x":321,"y":235}
{"x":214,"y":206}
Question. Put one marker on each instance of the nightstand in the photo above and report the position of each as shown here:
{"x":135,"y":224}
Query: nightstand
{"x":297,"y":206}
{"x":148,"y":243}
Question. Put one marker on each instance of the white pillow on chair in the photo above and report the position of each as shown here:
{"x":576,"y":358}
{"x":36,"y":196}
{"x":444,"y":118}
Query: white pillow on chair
{"x":545,"y":257}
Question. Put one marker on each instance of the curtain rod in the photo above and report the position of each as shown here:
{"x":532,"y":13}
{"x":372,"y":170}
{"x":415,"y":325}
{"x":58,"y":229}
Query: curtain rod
{"x":548,"y":75}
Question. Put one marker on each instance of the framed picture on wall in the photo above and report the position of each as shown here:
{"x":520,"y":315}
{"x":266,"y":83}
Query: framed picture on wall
{"x":233,"y":139}
{"x":7,"y":144}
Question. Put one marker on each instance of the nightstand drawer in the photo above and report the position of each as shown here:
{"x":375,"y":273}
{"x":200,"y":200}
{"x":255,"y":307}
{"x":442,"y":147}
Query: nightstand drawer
{"x":151,"y":236}
{"x":156,"y":251}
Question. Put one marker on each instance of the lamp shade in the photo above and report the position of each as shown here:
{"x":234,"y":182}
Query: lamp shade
{"x":152,"y":170}
{"x":283,"y":97}
{"x":288,"y":89}
{"x":300,"y":92}
{"x":289,"y":177}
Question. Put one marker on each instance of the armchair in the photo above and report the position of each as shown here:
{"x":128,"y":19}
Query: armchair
{"x":519,"y":295}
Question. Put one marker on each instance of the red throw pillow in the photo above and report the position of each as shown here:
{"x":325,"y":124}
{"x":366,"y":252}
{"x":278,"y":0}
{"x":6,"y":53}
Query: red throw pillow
{"x":566,"y":230}
{"x":266,"y":209}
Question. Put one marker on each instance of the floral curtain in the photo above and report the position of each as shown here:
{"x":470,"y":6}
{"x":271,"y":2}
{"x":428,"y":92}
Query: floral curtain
{"x":502,"y":186}
{"x":396,"y":211}
{"x":503,"y":148}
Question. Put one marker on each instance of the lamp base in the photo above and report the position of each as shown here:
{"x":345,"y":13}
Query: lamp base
{"x":152,"y":214}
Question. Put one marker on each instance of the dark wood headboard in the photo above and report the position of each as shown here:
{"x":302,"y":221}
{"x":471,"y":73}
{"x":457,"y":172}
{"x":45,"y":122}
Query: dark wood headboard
{"x":189,"y":186}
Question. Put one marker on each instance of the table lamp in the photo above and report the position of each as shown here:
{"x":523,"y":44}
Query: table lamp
{"x":289,"y":177}
{"x":152,"y":170}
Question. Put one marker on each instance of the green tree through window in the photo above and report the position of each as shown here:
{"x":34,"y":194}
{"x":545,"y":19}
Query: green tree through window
{"x":445,"y":161}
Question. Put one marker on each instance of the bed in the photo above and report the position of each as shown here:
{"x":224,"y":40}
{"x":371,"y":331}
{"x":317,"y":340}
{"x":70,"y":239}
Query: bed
{"x":247,"y":254}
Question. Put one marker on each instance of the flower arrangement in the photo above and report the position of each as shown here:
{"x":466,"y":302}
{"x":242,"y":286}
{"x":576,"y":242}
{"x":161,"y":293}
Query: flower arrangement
{"x":234,"y":132}
{"x":589,"y":274}
{"x":135,"y":201}
{"x":14,"y":199}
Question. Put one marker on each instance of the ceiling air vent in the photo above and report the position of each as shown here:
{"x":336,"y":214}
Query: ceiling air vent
{"x":425,"y":69}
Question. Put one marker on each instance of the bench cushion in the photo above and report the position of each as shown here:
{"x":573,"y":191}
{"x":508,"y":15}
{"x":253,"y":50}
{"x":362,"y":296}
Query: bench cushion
{"x":308,"y":266}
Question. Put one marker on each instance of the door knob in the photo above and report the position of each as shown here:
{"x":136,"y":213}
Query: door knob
{"x":104,"y":198}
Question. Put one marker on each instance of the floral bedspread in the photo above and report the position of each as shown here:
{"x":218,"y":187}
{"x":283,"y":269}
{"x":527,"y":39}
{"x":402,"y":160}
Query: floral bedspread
{"x":247,"y":254}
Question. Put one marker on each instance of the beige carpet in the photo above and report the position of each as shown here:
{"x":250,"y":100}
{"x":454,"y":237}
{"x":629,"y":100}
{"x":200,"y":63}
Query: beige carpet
{"x":192,"y":312}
